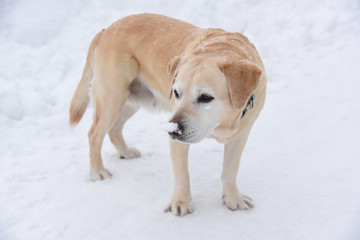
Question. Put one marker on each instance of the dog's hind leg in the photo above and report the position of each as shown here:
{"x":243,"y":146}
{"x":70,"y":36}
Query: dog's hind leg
{"x":116,"y":136}
{"x":104,"y":118}
{"x":110,"y":91}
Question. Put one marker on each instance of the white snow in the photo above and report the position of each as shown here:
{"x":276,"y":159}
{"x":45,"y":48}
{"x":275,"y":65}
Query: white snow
{"x":169,"y":126}
{"x":300,"y":166}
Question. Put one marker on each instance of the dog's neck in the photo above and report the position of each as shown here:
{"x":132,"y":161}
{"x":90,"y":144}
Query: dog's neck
{"x":227,"y":130}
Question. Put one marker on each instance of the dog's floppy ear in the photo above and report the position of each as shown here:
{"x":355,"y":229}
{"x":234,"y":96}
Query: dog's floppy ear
{"x":242,"y":78}
{"x":172,"y":70}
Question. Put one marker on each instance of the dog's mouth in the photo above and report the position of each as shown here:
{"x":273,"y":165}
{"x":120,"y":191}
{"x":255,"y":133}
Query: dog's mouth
{"x":186,"y":136}
{"x":181,"y":132}
{"x":185,"y":131}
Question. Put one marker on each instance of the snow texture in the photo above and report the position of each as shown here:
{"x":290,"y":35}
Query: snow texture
{"x":169,"y":127}
{"x":300,"y":166}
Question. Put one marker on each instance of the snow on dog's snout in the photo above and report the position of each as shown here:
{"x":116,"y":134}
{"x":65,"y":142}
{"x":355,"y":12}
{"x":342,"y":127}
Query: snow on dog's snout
{"x":170,"y":127}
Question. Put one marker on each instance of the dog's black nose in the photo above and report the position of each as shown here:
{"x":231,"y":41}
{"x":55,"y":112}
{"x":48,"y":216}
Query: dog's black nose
{"x":177,"y":132}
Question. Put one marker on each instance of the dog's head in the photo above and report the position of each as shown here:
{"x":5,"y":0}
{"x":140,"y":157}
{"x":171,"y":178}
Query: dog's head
{"x":207,"y":91}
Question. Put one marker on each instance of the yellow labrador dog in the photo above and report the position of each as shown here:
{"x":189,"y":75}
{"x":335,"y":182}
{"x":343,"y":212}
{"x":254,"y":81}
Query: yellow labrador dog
{"x":213,"y":81}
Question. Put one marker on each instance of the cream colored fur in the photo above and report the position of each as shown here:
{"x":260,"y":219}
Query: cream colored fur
{"x":141,"y":61}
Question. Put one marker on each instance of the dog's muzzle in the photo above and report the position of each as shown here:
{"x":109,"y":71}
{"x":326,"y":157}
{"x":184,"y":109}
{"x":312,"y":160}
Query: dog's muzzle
{"x":177,"y":134}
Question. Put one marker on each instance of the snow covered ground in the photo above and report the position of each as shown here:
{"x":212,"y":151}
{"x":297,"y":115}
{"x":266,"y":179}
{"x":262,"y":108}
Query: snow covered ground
{"x":301,"y":164}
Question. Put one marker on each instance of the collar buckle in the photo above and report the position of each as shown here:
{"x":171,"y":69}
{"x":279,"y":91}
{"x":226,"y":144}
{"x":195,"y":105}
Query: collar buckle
{"x":249,"y":104}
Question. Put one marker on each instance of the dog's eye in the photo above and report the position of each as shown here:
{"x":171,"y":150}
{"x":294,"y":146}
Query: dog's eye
{"x":205,"y":98}
{"x":176,"y":94}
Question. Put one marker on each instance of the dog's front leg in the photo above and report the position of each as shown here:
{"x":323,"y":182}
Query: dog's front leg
{"x":233,"y":199}
{"x":180,"y":204}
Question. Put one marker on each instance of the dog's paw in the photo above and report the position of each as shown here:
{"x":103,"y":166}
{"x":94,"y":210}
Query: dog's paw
{"x":179,"y":208}
{"x":130,"y":153}
{"x":100,"y":174}
{"x":236,"y":201}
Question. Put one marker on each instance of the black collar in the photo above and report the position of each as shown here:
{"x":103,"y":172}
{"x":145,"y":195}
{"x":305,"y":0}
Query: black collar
{"x":250,"y":104}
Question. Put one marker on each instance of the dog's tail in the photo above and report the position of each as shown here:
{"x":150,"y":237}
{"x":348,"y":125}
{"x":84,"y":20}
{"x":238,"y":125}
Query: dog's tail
{"x":81,"y":97}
